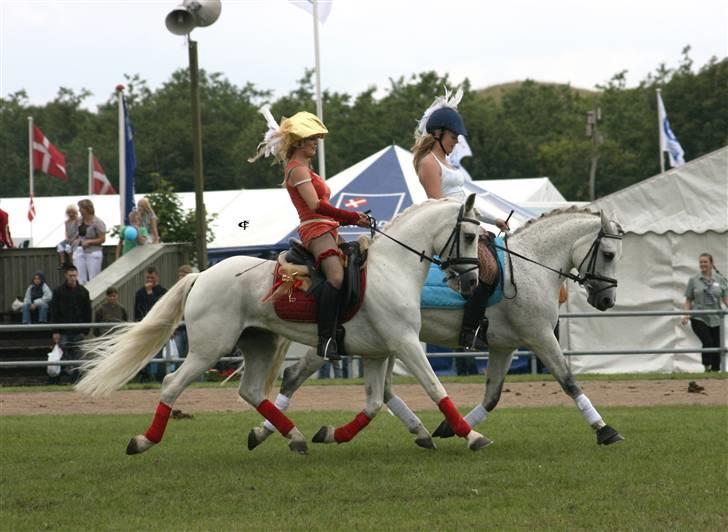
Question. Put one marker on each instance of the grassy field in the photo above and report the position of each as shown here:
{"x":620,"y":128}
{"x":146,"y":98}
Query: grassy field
{"x":544,"y":471}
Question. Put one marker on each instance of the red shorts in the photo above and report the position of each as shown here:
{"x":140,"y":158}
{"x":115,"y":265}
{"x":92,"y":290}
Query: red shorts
{"x":312,"y":230}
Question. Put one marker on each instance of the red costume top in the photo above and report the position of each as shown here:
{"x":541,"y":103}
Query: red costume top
{"x":325,"y":219}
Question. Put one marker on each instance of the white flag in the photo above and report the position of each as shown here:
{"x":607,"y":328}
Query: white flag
{"x":323,"y":7}
{"x":668,"y":141}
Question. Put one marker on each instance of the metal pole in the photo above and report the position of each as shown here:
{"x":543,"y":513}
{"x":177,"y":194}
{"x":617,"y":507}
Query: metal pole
{"x":660,"y":132}
{"x":200,"y":222}
{"x":90,"y":171}
{"x":721,"y":337}
{"x":319,"y":104}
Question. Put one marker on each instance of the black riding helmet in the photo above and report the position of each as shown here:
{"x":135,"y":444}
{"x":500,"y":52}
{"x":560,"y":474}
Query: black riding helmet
{"x":446,"y":118}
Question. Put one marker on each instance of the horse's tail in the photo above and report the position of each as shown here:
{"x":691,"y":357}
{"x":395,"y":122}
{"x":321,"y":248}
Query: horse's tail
{"x":282,"y":345}
{"x":119,"y":355}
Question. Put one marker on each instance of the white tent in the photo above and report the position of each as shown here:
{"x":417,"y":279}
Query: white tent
{"x":668,"y":220}
{"x":520,"y":191}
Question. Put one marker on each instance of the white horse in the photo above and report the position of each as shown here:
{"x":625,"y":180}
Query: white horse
{"x":562,"y":239}
{"x":222,"y":307}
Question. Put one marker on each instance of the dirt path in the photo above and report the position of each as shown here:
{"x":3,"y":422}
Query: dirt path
{"x":523,"y":394}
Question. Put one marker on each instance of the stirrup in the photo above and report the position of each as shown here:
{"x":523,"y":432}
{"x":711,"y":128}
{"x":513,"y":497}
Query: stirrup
{"x":475,"y":340}
{"x":327,"y":349}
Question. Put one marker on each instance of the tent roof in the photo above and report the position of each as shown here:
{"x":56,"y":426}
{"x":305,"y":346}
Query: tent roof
{"x":530,"y":189}
{"x":692,"y":197}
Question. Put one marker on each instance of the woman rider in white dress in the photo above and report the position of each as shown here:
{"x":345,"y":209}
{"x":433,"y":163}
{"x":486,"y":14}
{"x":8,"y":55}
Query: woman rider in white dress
{"x":435,"y":138}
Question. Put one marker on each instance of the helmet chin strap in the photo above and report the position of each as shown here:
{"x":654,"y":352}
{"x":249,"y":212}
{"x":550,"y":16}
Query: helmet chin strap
{"x":439,"y":141}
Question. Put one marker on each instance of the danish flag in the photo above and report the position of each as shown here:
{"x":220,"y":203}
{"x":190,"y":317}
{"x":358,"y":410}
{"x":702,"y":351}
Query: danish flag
{"x":46,"y":157}
{"x":354,"y":203}
{"x":101,"y":184}
{"x":31,"y":209}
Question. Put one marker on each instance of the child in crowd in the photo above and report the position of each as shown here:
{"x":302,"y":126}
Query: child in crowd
{"x":37,"y":297}
{"x":132,"y":235}
{"x":66,"y":246}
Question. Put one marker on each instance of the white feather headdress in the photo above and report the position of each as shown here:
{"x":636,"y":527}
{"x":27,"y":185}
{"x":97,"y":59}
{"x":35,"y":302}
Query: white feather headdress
{"x":449,"y":100}
{"x":273,"y":139}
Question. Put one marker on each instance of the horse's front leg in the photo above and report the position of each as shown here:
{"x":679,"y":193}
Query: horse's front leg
{"x":549,"y":351}
{"x":293,"y":378}
{"x":499,"y":360}
{"x":399,"y":408}
{"x":413,"y":356}
{"x":375,"y":371}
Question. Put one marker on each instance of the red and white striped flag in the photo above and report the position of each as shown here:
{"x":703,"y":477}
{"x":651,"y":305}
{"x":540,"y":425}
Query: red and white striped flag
{"x":101,"y":183}
{"x":46,"y":157}
{"x":31,"y":209}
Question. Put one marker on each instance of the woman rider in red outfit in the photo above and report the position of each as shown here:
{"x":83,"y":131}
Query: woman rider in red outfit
{"x":295,"y":142}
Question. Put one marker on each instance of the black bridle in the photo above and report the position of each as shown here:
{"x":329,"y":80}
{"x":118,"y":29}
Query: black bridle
{"x":589,"y":275}
{"x":453,"y":241}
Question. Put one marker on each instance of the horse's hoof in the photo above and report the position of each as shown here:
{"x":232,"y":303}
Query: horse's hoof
{"x":607,"y":436}
{"x":477,"y":441}
{"x":253,"y":441}
{"x":426,"y":443}
{"x":138,"y":444}
{"x":443,"y":430}
{"x":324,"y":435}
{"x":298,"y":446}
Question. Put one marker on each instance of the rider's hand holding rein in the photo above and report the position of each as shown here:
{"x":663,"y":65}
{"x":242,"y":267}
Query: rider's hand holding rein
{"x":502,"y":225}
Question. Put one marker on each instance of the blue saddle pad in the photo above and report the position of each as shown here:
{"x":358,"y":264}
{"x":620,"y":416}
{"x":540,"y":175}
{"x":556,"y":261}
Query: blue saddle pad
{"x":436,"y":293}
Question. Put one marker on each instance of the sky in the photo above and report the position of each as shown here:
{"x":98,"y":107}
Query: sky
{"x":89,"y":44}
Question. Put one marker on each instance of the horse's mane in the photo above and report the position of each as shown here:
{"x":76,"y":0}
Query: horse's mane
{"x":552,"y":214}
{"x":411,"y":208}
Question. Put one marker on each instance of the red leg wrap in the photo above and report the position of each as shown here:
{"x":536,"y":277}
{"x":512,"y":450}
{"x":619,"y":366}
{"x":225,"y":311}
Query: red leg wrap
{"x":159,"y":423}
{"x":348,"y":431}
{"x":279,"y":420}
{"x":458,"y":424}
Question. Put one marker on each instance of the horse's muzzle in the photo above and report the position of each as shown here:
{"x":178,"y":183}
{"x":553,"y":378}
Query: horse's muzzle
{"x":468,"y":282}
{"x":601,"y":299}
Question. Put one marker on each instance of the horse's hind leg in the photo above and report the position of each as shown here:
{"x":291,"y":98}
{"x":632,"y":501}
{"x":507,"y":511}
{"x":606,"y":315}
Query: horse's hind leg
{"x":259,"y":349}
{"x":173,"y":385}
{"x":400,"y":409}
{"x":293,"y":377}
{"x":499,"y":360}
{"x":552,"y":357}
{"x":374,"y":374}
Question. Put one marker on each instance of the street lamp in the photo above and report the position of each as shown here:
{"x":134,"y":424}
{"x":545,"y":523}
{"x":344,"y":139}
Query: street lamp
{"x":181,"y":21}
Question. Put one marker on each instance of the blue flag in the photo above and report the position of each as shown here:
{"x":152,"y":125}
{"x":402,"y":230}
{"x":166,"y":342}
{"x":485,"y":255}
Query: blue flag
{"x":130,"y":164}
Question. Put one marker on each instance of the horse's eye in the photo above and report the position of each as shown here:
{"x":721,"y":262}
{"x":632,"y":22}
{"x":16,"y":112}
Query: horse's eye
{"x":609,"y":255}
{"x":469,"y":237}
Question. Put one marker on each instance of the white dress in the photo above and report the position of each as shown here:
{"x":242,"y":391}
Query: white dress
{"x":452,"y":181}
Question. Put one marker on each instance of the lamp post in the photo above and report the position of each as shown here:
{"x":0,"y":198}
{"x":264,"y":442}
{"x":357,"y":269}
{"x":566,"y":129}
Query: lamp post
{"x":181,"y":21}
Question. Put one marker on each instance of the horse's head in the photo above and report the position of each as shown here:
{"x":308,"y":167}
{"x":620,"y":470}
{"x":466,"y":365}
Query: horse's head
{"x":459,"y":253}
{"x":598,"y":267}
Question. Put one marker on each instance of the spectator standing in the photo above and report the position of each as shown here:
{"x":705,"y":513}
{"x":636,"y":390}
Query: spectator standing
{"x":91,"y":234}
{"x":148,"y":220}
{"x":131,"y":235}
{"x":70,"y":304}
{"x":38,"y":297}
{"x":144,"y":300}
{"x":67,"y":246}
{"x":705,"y":291}
{"x":6,"y":241}
{"x":110,"y":311}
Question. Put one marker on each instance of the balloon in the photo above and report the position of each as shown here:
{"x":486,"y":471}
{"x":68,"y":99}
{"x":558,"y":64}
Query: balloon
{"x":130,"y":233}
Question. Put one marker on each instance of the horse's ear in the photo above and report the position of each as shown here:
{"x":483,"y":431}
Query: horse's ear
{"x":470,"y":202}
{"x":605,"y":220}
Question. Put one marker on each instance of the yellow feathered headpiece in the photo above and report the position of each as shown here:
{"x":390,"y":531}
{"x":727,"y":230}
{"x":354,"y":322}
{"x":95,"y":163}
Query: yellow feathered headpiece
{"x":278,"y":139}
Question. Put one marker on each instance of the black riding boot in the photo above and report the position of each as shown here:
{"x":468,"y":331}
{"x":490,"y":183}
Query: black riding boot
{"x":328,"y":315}
{"x":474,"y":332}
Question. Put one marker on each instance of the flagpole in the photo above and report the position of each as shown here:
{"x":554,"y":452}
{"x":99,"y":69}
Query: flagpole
{"x":319,"y":105}
{"x":660,"y":133}
{"x":30,"y":166}
{"x":90,"y":171}
{"x":122,"y":154}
